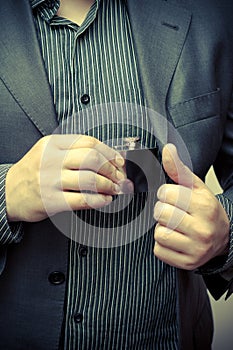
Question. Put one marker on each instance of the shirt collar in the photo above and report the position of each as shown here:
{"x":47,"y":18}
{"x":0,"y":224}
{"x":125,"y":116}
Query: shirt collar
{"x":35,"y":3}
{"x":48,"y":8}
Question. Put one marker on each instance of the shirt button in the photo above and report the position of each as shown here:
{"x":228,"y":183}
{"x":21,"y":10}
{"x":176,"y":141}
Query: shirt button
{"x":83,"y":251}
{"x":85,"y":99}
{"x":56,"y":277}
{"x":78,"y":318}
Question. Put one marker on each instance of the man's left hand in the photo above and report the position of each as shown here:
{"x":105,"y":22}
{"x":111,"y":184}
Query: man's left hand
{"x":192,"y":227}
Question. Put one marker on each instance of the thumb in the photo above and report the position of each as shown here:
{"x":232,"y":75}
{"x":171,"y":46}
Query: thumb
{"x":176,"y":169}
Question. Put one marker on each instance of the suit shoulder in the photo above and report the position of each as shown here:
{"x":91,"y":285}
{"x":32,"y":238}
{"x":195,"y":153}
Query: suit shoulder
{"x":213,"y":15}
{"x":209,"y":9}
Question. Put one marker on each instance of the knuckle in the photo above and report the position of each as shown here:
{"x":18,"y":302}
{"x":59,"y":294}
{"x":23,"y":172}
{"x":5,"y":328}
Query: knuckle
{"x":204,"y":233}
{"x":204,"y":198}
{"x":209,"y":204}
{"x":156,"y":249}
{"x":88,"y":160}
{"x":156,"y":234}
{"x":101,"y":184}
{"x":94,"y":179}
{"x":209,"y":239}
{"x":59,"y":183}
{"x":92,"y":141}
{"x":205,"y":203}
{"x":83,"y":201}
{"x":213,"y":212}
{"x":190,"y":264}
{"x":110,"y":186}
{"x":94,"y":157}
{"x":199,"y":252}
{"x":109,"y":170}
{"x":91,"y":182}
{"x":207,"y":236}
{"x":162,"y":235}
{"x":105,"y":185}
{"x":112,"y":172}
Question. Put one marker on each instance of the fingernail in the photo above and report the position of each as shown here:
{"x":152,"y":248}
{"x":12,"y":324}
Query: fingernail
{"x":161,"y":192}
{"x":120,"y":175}
{"x":117,"y":188}
{"x":157,"y":210}
{"x":126,"y":186}
{"x":107,"y":199}
{"x":168,"y":231}
{"x":130,"y":186}
{"x":119,"y":160}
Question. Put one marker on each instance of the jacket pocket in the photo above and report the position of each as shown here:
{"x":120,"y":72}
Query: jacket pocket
{"x":196,"y":109}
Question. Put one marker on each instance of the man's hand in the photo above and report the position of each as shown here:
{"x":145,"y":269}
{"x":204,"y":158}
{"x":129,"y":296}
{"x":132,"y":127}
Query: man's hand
{"x":60,"y":173}
{"x":192,"y":225}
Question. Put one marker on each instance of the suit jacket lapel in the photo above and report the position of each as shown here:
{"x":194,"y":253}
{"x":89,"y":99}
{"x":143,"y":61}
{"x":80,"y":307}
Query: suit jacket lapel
{"x":19,"y":49}
{"x":159,"y":31}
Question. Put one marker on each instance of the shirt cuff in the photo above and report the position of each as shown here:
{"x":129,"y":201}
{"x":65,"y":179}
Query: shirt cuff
{"x":9,"y":232}
{"x":222,"y":264}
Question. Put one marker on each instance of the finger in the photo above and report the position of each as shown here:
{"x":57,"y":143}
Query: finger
{"x":91,"y":159}
{"x":173,"y":240}
{"x":173,"y":218}
{"x":176,"y":169}
{"x":174,"y":258}
{"x":178,"y":196}
{"x":73,"y":142}
{"x":81,"y":201}
{"x":201,"y":203}
{"x":126,"y":186}
{"x":88,"y":181}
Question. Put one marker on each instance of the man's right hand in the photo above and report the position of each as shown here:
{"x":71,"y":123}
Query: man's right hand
{"x":60,"y":173}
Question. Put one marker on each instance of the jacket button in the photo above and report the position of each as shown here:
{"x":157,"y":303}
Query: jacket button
{"x":85,"y":99}
{"x":78,"y":318}
{"x":56,"y":277}
{"x":83,"y":251}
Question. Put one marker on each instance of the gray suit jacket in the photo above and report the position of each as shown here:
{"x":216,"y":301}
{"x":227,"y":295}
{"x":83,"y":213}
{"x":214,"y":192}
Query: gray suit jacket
{"x":184,"y":51}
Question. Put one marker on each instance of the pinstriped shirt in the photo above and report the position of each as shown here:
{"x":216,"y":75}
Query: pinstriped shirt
{"x":118,"y":294}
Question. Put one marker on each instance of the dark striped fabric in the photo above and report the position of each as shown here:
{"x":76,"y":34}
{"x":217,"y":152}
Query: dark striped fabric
{"x":119,"y":296}
{"x":8,"y":233}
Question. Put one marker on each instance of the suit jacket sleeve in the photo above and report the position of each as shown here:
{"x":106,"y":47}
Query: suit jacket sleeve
{"x":218,"y":273}
{"x":9,"y":233}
